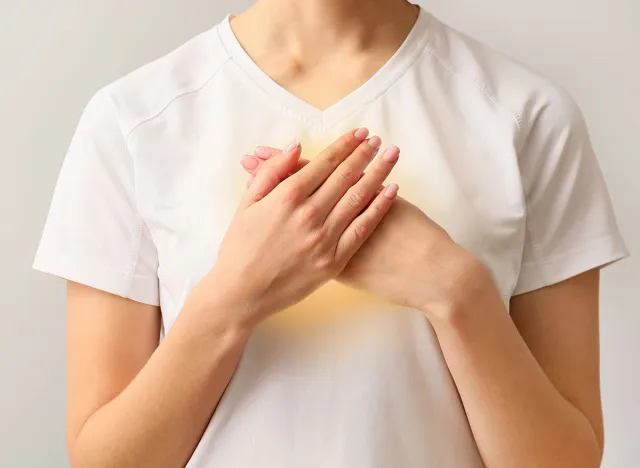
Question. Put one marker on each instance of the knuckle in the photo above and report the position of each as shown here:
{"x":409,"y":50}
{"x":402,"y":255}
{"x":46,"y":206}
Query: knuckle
{"x":308,"y":215}
{"x":347,"y":174}
{"x":331,"y":157}
{"x":360,"y":231}
{"x":349,"y":140}
{"x":375,"y":209}
{"x":292,"y":193}
{"x":347,"y":143}
{"x":313,"y":240}
{"x":354,"y":198}
{"x":325,"y":262}
{"x":339,"y":150}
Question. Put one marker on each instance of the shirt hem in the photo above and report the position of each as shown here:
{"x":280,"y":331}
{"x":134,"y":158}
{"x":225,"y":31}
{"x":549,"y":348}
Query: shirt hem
{"x":93,"y":274}
{"x":598,"y":253}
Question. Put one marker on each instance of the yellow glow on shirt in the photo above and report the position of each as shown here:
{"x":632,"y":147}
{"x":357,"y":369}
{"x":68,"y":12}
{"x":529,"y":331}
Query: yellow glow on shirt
{"x":333,"y":302}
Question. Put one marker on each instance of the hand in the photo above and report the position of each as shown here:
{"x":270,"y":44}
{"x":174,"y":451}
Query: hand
{"x":409,"y":259}
{"x":290,"y":236}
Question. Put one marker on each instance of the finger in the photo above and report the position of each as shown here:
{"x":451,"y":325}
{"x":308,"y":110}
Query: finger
{"x":273,"y":172}
{"x":356,"y":198}
{"x":345,"y":176}
{"x":322,"y":166}
{"x":265,"y":152}
{"x":252,"y":164}
{"x":299,"y":165}
{"x":363,"y":226}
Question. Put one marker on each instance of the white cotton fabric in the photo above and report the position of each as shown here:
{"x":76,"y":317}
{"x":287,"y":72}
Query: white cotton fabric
{"x":494,"y":153}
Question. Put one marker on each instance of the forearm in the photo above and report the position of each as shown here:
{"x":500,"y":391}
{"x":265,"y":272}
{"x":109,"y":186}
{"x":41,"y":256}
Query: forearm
{"x":517,"y":416}
{"x":158,"y":419}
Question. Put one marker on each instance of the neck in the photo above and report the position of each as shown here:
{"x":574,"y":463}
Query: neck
{"x":310,"y":29}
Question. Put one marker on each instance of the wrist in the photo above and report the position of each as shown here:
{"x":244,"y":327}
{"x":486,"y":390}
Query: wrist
{"x":223,"y":305}
{"x":465,"y":285}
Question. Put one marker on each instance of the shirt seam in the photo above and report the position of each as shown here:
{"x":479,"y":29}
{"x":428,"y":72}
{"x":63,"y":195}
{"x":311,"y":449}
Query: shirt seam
{"x":532,"y":118}
{"x":536,"y":248}
{"x":174,"y":99}
{"x":386,"y":85}
{"x":127,"y":136}
{"x":320,"y":125}
{"x":272,"y":100}
{"x":478,"y":84}
{"x":136,"y":238}
{"x":135,"y":257}
{"x":521,"y":125}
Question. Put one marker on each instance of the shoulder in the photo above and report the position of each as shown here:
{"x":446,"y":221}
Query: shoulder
{"x":146,"y":92}
{"x":510,"y":85}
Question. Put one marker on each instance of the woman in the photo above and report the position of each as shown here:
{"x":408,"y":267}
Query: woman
{"x":314,"y":318}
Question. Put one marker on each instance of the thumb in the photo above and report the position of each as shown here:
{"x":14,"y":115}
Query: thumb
{"x":272,"y":172}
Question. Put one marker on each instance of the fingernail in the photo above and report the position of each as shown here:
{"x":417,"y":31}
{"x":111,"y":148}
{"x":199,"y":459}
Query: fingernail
{"x":291,"y":146}
{"x":391,"y":191}
{"x":375,"y":142}
{"x":250,"y":180}
{"x":262,"y":151}
{"x":249,"y":162}
{"x":391,"y":154}
{"x":361,"y":134}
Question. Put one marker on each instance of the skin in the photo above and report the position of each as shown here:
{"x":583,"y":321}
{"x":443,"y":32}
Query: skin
{"x":529,"y":380}
{"x":282,"y":38}
{"x":134,"y":403}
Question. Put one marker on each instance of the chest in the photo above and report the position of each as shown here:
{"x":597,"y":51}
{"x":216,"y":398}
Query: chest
{"x":189,"y":180}
{"x":327,"y":82}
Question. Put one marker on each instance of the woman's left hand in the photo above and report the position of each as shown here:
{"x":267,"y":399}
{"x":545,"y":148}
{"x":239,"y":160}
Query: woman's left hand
{"x":409,"y":259}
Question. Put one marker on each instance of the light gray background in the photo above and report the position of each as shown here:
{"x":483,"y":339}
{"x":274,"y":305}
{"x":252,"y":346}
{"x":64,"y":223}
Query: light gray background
{"x":54,"y":55}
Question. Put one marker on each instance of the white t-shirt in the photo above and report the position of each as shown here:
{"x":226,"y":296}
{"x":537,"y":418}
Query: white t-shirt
{"x":497,"y":155}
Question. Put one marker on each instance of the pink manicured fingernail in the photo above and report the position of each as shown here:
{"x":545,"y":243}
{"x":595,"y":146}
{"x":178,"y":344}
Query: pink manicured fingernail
{"x":391,"y":191}
{"x":250,"y":180}
{"x":361,"y":134}
{"x":375,"y":142}
{"x":249,"y":162}
{"x":391,"y":154}
{"x":262,"y":151}
{"x":291,"y":146}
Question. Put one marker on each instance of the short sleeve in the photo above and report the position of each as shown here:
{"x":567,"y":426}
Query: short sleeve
{"x":94,"y":234}
{"x":570,"y":224}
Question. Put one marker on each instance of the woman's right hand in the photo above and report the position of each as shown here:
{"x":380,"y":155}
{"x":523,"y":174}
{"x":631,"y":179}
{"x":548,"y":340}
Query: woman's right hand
{"x":288,"y":237}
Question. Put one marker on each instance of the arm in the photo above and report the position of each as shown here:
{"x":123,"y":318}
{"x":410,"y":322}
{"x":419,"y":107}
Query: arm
{"x":136,"y":404}
{"x":130,"y":404}
{"x":530,"y":386}
{"x":529,"y":381}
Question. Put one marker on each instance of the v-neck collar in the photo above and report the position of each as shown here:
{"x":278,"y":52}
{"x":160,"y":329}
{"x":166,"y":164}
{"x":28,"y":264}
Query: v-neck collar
{"x":324,"y":119}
